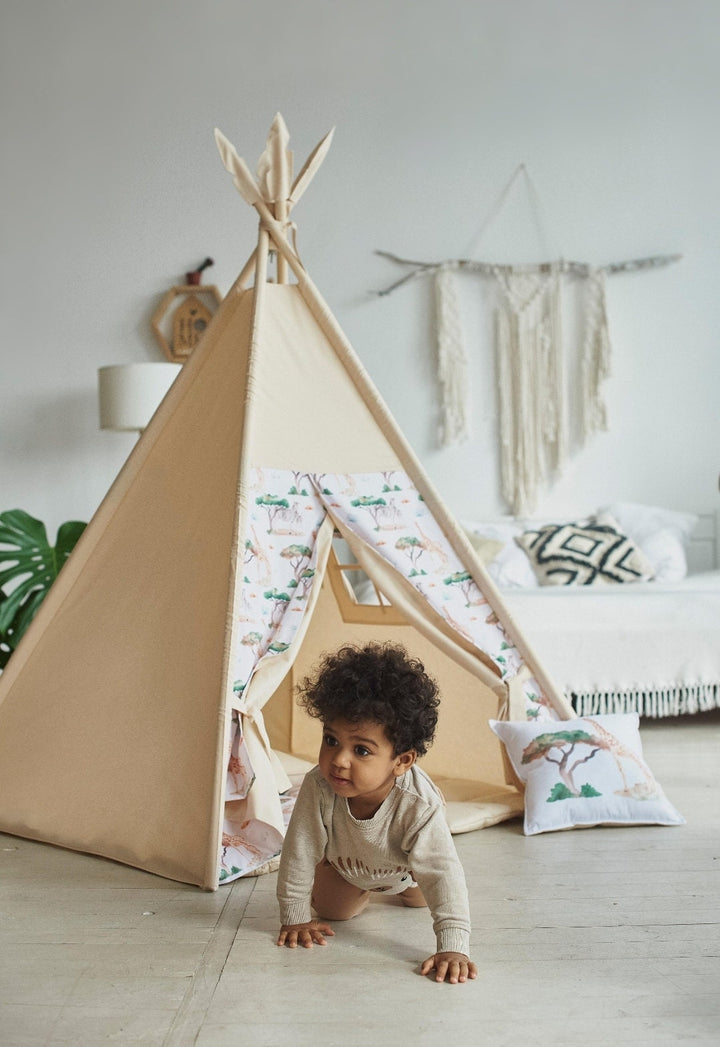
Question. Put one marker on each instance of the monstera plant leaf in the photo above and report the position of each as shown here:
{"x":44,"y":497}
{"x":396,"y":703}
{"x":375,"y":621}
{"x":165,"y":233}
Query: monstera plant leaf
{"x":6,"y":641}
{"x":28,"y":567}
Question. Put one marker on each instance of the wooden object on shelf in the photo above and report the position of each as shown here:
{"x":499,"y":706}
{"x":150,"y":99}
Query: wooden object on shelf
{"x":178,"y":330}
{"x":183,"y":315}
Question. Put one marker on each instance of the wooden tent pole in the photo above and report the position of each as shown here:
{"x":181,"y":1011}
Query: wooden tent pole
{"x":260,"y":259}
{"x":260,"y":255}
{"x":281,"y":214}
{"x":248,"y":268}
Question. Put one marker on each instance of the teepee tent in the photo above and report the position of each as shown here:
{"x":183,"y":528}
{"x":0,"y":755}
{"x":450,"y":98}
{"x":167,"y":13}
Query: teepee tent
{"x":142,"y":714}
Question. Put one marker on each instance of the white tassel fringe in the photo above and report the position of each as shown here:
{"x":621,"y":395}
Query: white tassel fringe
{"x":452,"y":361}
{"x":675,"y":700}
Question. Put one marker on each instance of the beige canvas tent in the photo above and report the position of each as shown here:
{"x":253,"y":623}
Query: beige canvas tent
{"x":142,"y":714}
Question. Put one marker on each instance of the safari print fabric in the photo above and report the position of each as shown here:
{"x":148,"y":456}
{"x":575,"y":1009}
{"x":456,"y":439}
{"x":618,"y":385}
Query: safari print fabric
{"x":283,"y":519}
{"x":387,"y":512}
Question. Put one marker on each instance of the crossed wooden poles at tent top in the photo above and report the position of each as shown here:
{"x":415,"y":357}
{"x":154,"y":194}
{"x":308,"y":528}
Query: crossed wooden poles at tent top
{"x":273,"y":197}
{"x":271,"y":194}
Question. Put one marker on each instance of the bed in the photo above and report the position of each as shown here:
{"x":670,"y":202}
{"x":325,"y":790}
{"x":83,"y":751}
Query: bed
{"x":649,"y":645}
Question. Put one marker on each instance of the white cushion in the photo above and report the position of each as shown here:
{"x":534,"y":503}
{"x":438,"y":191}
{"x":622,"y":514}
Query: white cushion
{"x":662,"y":534}
{"x":588,"y":771}
{"x":510,"y":566}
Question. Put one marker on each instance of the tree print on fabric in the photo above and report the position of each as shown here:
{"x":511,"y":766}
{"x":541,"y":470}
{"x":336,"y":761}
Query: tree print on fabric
{"x":273,"y":506}
{"x":537,"y":706}
{"x":283,"y":518}
{"x":298,"y":556}
{"x":564,"y":743}
{"x":413,"y":548}
{"x":568,"y":749}
{"x":464,"y":581}
{"x":384,"y":514}
{"x":240,"y":775}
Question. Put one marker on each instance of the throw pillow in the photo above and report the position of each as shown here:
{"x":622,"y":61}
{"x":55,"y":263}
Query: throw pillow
{"x":584,"y":772}
{"x":486,"y":548}
{"x":662,"y":534}
{"x":510,"y":567}
{"x":590,"y":552}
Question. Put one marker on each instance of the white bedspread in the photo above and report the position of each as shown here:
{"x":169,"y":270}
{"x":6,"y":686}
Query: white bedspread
{"x":650,"y":648}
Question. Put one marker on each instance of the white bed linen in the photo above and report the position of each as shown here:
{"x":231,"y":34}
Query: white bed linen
{"x":648,"y":647}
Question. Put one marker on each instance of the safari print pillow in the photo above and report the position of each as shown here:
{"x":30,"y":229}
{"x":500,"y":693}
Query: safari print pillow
{"x":583,"y":772}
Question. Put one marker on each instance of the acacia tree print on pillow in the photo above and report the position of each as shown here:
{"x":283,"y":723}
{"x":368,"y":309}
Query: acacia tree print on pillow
{"x":564,"y":743}
{"x":583,"y":772}
{"x":568,"y":746}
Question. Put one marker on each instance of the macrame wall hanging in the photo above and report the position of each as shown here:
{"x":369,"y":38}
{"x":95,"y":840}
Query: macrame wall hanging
{"x":534,"y":368}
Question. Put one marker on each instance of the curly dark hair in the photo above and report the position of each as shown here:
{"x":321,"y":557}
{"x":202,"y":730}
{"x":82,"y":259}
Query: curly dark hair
{"x":377,"y":683}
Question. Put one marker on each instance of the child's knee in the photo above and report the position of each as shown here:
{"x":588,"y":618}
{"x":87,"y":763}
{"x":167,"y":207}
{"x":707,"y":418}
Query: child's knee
{"x":340,"y":909}
{"x":333,"y":897}
{"x":413,"y":897}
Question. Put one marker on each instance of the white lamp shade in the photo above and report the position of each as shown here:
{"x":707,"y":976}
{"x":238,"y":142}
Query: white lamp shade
{"x":131,"y":393}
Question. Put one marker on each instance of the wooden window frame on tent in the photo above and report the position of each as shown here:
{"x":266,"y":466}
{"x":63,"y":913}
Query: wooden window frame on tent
{"x":352,"y":611}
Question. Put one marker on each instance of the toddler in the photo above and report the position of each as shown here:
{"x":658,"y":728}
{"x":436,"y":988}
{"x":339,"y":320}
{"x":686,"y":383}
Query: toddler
{"x":367,"y":818}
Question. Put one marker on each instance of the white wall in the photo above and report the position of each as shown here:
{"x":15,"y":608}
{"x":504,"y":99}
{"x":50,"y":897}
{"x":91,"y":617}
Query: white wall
{"x":113,"y":189}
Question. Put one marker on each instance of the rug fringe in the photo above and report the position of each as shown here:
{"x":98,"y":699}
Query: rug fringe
{"x":651,"y":701}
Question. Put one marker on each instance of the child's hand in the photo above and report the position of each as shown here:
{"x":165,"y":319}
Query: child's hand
{"x":455,"y":966}
{"x":305,"y":934}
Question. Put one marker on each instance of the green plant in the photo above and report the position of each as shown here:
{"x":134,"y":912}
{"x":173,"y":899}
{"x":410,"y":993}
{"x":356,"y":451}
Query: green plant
{"x":28,"y":567}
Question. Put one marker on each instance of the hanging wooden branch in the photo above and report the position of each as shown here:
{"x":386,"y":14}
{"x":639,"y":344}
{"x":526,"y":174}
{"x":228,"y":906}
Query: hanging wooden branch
{"x":492,"y":269}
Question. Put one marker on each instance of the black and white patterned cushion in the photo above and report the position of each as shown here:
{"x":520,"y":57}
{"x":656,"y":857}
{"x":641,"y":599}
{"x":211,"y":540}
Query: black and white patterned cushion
{"x":590,"y":552}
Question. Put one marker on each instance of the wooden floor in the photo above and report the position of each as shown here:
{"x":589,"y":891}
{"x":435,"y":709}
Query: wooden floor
{"x":593,"y":937}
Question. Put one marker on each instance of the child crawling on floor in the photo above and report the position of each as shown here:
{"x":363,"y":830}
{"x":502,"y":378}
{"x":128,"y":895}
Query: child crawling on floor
{"x":367,"y":818}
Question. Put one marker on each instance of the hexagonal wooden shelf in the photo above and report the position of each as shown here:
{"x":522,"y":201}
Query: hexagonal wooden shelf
{"x":182,"y":317}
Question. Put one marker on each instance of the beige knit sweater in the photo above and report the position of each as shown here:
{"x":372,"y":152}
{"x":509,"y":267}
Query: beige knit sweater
{"x":407,"y":840}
